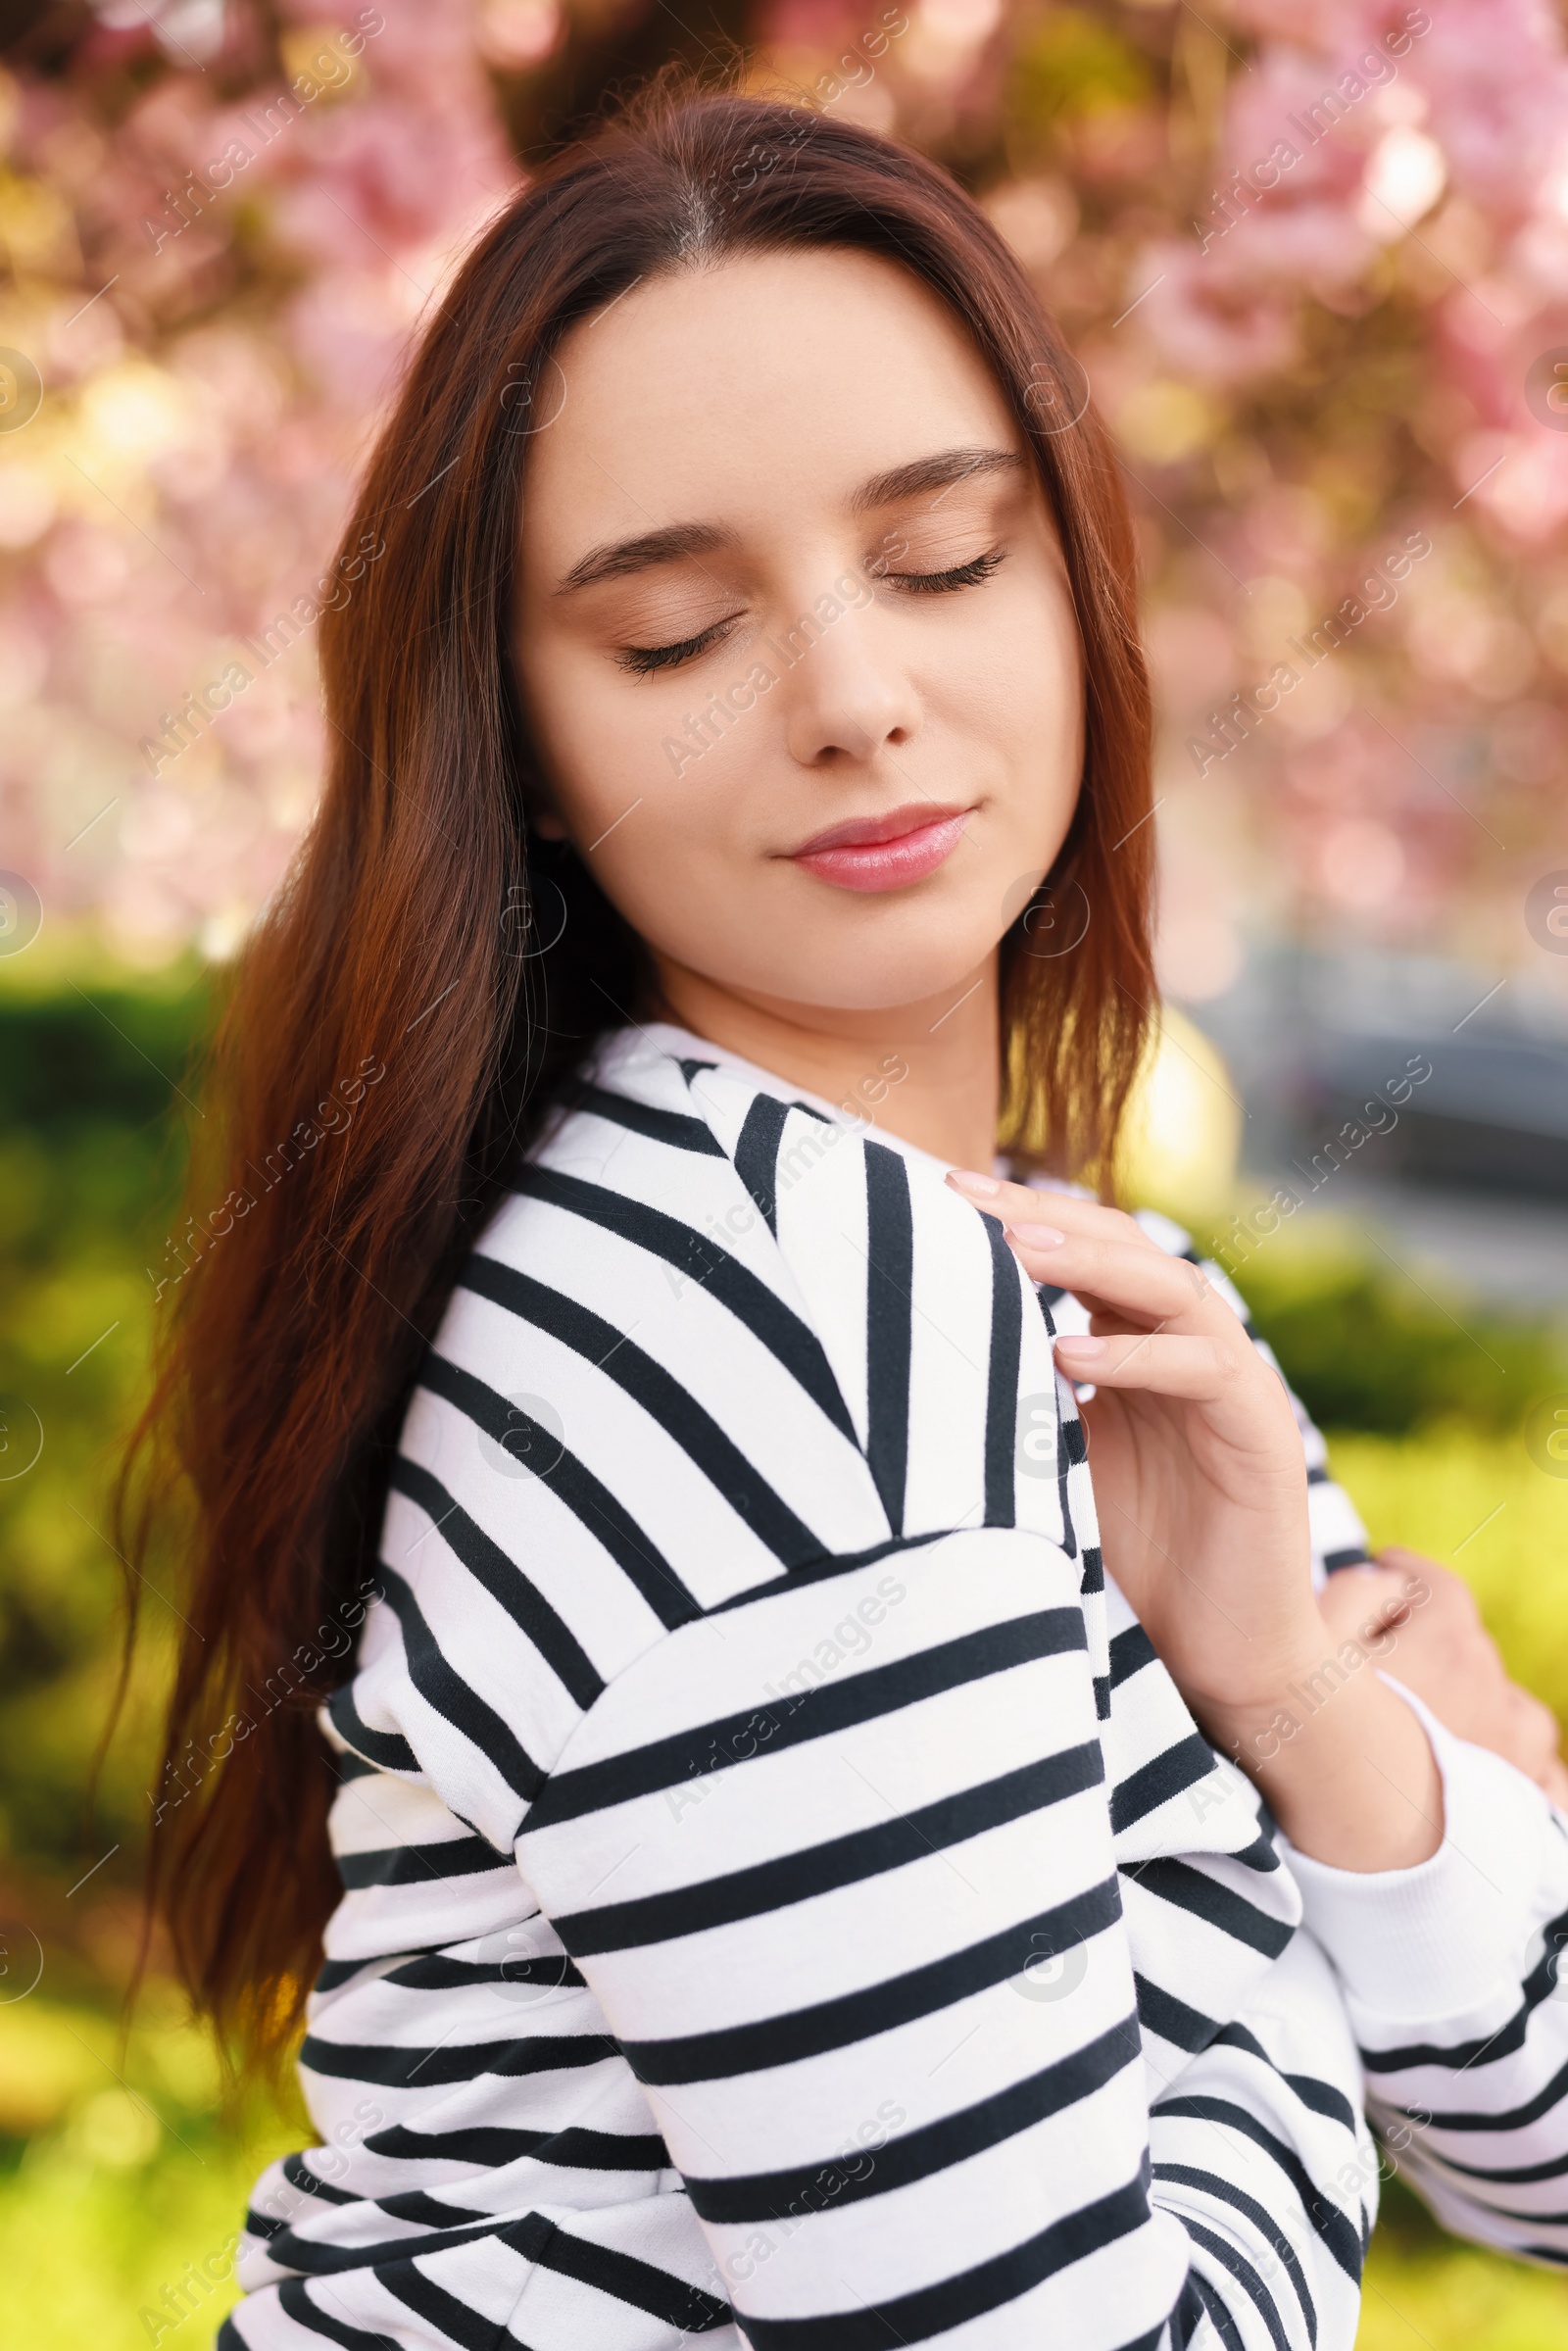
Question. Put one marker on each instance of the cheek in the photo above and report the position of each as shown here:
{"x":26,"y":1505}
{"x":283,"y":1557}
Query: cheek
{"x":601,"y":738}
{"x":1013,"y":692}
{"x":659,"y":815}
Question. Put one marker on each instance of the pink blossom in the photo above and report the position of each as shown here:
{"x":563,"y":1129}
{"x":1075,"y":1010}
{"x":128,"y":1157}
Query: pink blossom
{"x":820,"y":25}
{"x":1205,"y":325}
{"x":124,"y":598}
{"x":1494,"y":73}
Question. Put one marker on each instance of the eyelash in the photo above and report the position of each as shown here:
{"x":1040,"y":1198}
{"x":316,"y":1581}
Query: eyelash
{"x":946,"y":583}
{"x":644,"y":660}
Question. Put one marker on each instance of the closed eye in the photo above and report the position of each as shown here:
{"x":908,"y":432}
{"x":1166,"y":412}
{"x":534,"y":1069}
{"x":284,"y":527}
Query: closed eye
{"x":642,"y":659}
{"x":943,"y":583}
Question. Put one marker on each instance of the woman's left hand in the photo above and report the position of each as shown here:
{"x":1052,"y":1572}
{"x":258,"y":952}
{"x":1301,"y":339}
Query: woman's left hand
{"x":1427,"y":1631}
{"x":1201,"y":1487}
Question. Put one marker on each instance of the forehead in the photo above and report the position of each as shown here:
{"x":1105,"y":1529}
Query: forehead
{"x":744,"y":389}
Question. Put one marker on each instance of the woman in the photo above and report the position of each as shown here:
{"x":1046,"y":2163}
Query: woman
{"x":792,"y":1885}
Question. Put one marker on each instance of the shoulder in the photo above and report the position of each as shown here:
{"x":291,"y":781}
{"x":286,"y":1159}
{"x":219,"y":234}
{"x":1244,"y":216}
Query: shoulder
{"x":710,"y":1341}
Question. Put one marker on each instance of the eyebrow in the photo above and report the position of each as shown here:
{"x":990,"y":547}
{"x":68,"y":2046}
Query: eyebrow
{"x":938,"y":472}
{"x":620,"y":556}
{"x":618,"y":559}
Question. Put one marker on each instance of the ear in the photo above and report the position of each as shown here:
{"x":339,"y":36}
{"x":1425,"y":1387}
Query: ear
{"x":547,"y":825}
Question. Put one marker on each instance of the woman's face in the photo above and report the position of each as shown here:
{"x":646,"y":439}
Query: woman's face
{"x":794,"y":632}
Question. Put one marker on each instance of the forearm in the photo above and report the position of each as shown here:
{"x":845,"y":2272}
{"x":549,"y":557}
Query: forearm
{"x":1352,"y":1778}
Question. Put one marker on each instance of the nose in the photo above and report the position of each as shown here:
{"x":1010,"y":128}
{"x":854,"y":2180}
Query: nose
{"x":846,"y":695}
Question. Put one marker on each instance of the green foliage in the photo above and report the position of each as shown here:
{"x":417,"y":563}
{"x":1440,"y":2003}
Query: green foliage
{"x":89,"y":1172}
{"x":1365,"y":1348}
{"x":121,"y":2192}
{"x":1074,"y":65}
{"x":98,"y":1054}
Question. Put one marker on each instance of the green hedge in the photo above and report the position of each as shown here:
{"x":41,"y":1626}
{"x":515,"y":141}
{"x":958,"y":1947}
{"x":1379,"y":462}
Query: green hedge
{"x":1367,"y":1349}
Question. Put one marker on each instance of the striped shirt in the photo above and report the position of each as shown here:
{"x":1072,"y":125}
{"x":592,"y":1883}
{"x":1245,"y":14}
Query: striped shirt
{"x":786,"y":1899}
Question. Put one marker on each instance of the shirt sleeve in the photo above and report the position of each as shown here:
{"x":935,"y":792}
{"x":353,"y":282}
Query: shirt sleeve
{"x":1261,"y":2148}
{"x":863,"y":1946}
{"x":1451,"y":1978}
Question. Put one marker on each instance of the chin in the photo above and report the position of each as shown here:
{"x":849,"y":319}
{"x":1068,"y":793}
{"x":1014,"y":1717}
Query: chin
{"x":861,"y":981}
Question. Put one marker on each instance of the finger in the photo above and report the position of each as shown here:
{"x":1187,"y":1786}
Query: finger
{"x":1043,"y":1225}
{"x":1168,"y":1365}
{"x":1029,"y":1204}
{"x":1534,"y":1732}
{"x":1405,"y":1561}
{"x":1136,"y":1279}
{"x":1442,"y":1583}
{"x":1106,"y":1321}
{"x":1365,"y":1598}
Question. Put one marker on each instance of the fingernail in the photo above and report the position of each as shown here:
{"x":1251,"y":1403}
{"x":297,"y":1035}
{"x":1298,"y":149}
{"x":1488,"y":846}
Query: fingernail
{"x":964,"y":1179}
{"x":1083,"y":1347}
{"x":1035,"y":1236}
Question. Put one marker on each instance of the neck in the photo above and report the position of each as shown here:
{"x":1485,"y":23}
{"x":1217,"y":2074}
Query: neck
{"x":929,"y":1072}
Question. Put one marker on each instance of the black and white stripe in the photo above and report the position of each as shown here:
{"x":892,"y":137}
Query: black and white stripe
{"x":786,"y":1899}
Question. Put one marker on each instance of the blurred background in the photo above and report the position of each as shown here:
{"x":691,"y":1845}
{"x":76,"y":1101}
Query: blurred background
{"x":1313,"y":258}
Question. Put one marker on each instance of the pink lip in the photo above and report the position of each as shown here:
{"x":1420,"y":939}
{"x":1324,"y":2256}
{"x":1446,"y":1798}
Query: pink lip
{"x":883,"y":853}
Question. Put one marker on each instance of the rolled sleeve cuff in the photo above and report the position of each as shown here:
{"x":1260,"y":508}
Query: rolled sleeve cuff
{"x":1447,"y":1936}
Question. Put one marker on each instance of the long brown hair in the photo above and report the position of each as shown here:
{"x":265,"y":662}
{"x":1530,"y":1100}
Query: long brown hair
{"x":420,"y":989}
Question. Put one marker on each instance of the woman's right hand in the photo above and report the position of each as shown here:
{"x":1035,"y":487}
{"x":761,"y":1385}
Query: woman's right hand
{"x":1438,"y":1647}
{"x":1200,"y":1490}
{"x":1196,"y":1459}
